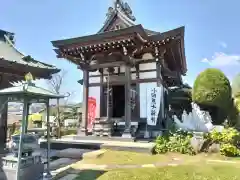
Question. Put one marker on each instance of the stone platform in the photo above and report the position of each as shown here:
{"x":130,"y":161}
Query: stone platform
{"x":95,"y":144}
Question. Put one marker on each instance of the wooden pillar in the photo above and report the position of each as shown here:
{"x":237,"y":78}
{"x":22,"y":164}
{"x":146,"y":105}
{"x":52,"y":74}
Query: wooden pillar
{"x":138,"y":90}
{"x":101,"y":94}
{"x":159,"y":76}
{"x":83,"y":127}
{"x":127,"y":131}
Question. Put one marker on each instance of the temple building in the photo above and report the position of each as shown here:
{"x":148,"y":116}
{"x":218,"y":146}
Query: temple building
{"x":13,"y":67}
{"x":120,"y":63}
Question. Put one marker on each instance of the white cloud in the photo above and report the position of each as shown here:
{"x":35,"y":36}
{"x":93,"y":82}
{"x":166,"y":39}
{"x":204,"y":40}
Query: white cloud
{"x":223,"y":44}
{"x":222,"y":59}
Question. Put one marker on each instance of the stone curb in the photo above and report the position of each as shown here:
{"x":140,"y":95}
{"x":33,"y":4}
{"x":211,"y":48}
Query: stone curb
{"x":129,"y":166}
{"x":61,"y":172}
{"x":222,"y":161}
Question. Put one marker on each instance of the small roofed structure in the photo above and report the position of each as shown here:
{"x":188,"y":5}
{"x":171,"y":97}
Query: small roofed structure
{"x":29,"y":93}
{"x":13,"y":67}
{"x":119,"y":62}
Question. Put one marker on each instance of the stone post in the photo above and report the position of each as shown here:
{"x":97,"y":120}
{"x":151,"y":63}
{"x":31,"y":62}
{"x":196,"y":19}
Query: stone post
{"x":3,"y":122}
{"x":27,"y":118}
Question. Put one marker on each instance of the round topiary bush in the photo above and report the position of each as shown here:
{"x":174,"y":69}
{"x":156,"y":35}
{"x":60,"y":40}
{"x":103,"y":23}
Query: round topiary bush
{"x":212,"y":88}
{"x":212,"y":91}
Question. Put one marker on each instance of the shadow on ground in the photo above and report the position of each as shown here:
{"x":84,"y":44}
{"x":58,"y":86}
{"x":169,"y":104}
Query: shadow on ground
{"x":90,"y":174}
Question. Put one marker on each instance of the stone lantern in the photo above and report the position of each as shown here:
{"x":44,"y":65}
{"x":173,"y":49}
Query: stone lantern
{"x":22,"y":164}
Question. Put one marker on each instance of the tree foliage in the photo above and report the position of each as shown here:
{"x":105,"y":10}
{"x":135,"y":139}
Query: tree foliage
{"x":212,"y":92}
{"x":236,"y":86}
{"x":212,"y":88}
{"x":55,"y":84}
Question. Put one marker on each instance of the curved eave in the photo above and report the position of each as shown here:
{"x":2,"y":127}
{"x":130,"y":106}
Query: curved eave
{"x":10,"y":55}
{"x":97,"y":38}
{"x":38,"y":72}
{"x":178,"y":34}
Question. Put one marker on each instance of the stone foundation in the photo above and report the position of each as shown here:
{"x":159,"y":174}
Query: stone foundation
{"x":103,"y":127}
{"x":31,"y":168}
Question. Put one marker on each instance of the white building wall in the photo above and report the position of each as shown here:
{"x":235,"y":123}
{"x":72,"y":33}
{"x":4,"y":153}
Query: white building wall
{"x":94,"y":79}
{"x":147,"y":75}
{"x":94,"y":73}
{"x":147,"y":66}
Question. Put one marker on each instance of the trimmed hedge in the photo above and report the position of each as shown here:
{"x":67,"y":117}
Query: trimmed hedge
{"x":212,"y":88}
{"x":212,"y":92}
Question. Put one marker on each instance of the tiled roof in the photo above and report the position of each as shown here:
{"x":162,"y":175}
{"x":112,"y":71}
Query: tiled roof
{"x":9,"y":53}
{"x":30,"y":90}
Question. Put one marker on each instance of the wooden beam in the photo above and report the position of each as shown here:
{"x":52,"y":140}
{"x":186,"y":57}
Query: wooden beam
{"x":106,"y":65}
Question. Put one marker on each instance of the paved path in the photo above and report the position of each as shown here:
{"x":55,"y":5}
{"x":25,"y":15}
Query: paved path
{"x":126,"y":166}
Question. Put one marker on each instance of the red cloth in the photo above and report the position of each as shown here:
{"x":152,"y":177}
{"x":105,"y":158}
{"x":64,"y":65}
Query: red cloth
{"x":91,"y":112}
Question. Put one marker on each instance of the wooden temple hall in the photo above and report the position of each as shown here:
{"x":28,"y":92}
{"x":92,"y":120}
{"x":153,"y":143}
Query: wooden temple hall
{"x":120,"y":63}
{"x":13,"y":67}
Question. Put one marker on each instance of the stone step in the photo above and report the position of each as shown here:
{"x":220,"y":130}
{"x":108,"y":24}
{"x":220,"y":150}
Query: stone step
{"x":72,"y":153}
{"x":56,"y":164}
{"x":94,"y":154}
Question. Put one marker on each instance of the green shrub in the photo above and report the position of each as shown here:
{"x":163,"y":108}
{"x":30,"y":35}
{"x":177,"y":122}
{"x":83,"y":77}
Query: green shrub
{"x":228,"y":135}
{"x":176,"y":142}
{"x":212,"y":89}
{"x":228,"y":139}
{"x":233,"y":116}
{"x":229,"y":150}
{"x":236,"y":86}
{"x":161,"y":145}
{"x":70,"y":131}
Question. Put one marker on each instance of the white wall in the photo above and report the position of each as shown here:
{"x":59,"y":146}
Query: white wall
{"x":147,"y":66}
{"x":147,"y":75}
{"x":94,"y":79}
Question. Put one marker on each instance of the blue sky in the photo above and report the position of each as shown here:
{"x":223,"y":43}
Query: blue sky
{"x":211,"y":30}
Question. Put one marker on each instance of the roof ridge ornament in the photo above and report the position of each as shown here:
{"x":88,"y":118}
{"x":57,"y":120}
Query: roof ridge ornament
{"x":29,"y":78}
{"x":122,"y":6}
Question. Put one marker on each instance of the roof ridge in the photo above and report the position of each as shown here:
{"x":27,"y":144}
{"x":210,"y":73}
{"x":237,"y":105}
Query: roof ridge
{"x":123,"y":11}
{"x":12,"y":45}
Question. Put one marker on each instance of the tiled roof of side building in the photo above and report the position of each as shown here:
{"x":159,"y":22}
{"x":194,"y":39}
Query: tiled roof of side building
{"x":8,"y":52}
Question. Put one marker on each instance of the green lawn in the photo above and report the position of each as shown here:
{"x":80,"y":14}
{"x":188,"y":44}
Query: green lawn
{"x":192,"y":168}
{"x":183,"y":172}
{"x":123,"y":157}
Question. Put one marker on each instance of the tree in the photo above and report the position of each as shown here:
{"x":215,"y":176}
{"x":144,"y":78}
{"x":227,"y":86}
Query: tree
{"x":55,"y":83}
{"x":180,"y":98}
{"x":236,"y":86}
{"x":212,"y":91}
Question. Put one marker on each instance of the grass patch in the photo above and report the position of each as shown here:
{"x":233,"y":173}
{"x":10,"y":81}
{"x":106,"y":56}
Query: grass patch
{"x":192,"y":167}
{"x":124,"y":157}
{"x":184,"y":172}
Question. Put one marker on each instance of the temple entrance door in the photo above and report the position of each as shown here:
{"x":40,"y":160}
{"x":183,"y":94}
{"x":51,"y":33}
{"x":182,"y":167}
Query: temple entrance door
{"x":118,"y":99}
